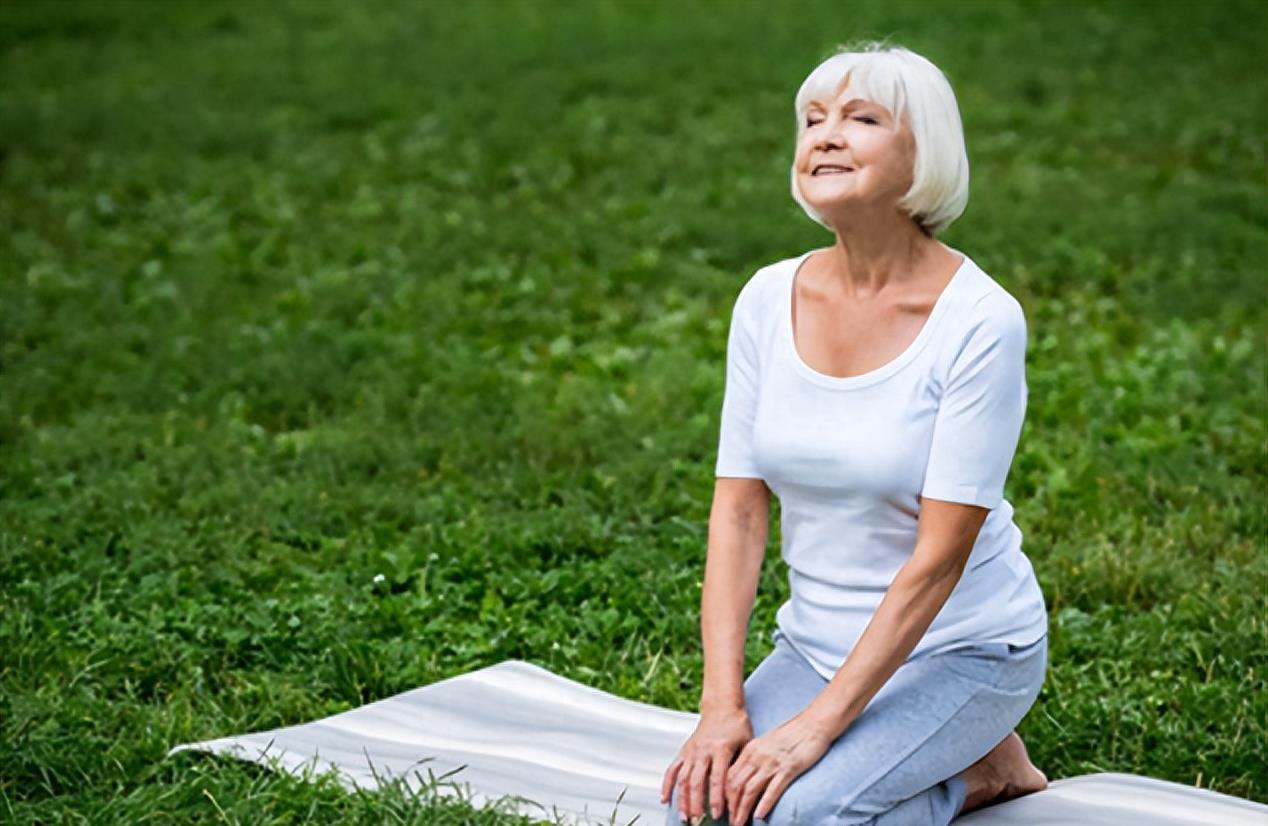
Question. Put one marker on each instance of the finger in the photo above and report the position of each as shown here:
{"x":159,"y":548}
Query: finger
{"x":774,"y":791}
{"x":695,"y":787}
{"x":737,"y":776}
{"x":752,"y":789}
{"x":684,"y":783}
{"x":668,"y":782}
{"x":717,"y":783}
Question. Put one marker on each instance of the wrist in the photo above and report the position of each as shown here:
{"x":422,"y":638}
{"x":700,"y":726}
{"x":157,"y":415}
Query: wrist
{"x":829,"y":723}
{"x":725,"y":704}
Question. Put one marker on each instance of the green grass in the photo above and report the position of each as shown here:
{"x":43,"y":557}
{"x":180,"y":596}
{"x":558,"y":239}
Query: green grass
{"x":293,"y":295}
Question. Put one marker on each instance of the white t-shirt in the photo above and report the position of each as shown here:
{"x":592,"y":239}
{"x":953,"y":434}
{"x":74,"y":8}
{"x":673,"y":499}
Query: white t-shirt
{"x":848,"y":458}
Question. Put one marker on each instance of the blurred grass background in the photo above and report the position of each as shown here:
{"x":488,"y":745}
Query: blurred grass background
{"x":295,"y":295}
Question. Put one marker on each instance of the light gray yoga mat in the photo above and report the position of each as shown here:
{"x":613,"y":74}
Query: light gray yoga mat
{"x":563,"y":749}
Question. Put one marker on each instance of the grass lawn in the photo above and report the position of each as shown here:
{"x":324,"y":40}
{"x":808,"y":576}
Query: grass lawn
{"x":348,"y":347}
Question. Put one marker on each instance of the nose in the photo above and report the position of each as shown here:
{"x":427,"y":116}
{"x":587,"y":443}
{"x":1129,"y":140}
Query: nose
{"x":831,"y":135}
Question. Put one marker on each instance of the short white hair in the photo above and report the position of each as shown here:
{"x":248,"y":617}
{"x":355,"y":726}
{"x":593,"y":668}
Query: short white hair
{"x":914,"y":89}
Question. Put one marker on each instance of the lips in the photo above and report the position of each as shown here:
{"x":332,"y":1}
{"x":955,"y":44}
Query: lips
{"x":831,"y":169}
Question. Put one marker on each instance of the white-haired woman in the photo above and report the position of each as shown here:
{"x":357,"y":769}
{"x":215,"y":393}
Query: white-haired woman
{"x":877,"y":388}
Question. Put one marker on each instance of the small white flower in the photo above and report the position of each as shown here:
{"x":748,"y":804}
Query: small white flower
{"x":379,"y":578}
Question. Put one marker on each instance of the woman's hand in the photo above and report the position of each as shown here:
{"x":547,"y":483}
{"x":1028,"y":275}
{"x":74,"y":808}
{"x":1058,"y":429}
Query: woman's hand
{"x":702,"y":762}
{"x":770,"y":763}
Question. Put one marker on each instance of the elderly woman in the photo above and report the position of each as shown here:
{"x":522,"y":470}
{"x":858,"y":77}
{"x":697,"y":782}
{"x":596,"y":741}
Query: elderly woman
{"x":877,"y":387}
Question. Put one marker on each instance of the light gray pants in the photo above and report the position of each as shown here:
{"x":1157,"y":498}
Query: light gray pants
{"x":901,"y":761}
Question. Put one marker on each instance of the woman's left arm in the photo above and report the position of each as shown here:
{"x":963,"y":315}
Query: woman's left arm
{"x":945,"y":537}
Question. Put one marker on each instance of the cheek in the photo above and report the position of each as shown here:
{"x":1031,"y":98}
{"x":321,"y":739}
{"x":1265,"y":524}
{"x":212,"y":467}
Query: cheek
{"x":887,"y":154}
{"x":803,"y":150}
{"x":877,"y":146}
{"x":905,"y":154}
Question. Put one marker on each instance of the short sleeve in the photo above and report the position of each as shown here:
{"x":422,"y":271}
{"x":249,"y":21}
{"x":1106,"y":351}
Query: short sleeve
{"x":983,"y":404}
{"x":739,"y":402}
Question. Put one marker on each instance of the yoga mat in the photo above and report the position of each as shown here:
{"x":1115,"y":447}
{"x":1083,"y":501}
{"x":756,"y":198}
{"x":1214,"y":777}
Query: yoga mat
{"x":565,"y":750}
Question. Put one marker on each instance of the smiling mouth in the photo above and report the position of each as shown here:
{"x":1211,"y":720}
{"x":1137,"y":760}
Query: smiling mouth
{"x":830,"y":169}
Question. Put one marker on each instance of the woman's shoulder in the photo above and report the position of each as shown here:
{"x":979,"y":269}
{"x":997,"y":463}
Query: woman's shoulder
{"x":983,"y":321}
{"x":760,"y":293}
{"x":985,"y":305}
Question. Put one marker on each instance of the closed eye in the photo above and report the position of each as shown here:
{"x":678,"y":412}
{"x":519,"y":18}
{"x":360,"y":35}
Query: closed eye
{"x":861,"y":118}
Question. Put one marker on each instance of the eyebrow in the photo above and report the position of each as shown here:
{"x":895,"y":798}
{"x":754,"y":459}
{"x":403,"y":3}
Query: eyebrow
{"x":848,"y":103}
{"x":852,"y":102}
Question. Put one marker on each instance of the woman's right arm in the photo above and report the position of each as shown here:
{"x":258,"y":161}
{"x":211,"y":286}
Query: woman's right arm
{"x":738,"y":529}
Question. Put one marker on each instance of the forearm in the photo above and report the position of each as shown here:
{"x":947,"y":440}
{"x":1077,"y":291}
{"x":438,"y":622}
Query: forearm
{"x":913,"y":599}
{"x":737,"y":545}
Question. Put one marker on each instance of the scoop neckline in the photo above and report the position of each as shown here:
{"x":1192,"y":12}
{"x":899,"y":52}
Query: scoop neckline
{"x":885,"y":370}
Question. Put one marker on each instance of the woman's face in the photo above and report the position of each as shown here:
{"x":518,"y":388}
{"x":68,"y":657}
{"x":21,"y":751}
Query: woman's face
{"x":875,"y":150}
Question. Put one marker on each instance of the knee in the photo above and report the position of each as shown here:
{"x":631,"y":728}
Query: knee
{"x":863,"y":809}
{"x":801,"y":804}
{"x":807,"y":803}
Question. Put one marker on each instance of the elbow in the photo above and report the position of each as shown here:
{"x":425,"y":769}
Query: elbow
{"x":935,"y":574}
{"x":741,"y":502}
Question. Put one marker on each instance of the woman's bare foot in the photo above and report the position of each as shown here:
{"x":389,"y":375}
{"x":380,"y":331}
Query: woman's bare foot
{"x":1004,"y":773}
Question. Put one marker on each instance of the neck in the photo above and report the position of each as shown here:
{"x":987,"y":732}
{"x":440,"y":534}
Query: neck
{"x":874,"y":252}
